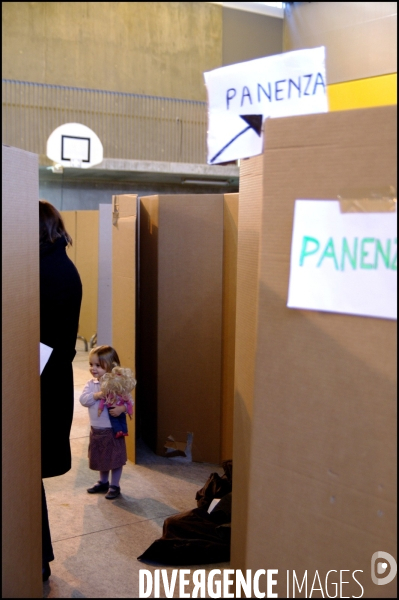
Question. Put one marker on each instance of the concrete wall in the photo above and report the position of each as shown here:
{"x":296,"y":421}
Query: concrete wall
{"x":360,"y":37}
{"x":76,"y":195}
{"x":361,"y":48}
{"x":248,"y":35}
{"x":163,"y":48}
{"x":156,"y":48}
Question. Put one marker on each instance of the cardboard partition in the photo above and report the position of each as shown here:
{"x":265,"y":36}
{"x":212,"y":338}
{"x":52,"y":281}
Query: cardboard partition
{"x":124,"y":218}
{"x":230,"y":230}
{"x":104,"y":303}
{"x":248,"y":233}
{"x":21,"y":469}
{"x":322,"y":471}
{"x":180,"y":318}
{"x":82,"y":225}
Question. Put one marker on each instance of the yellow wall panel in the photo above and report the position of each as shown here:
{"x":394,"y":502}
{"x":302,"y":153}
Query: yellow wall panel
{"x":363,"y":93}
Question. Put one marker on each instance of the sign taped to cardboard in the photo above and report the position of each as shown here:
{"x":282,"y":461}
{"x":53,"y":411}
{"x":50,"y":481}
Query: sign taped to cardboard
{"x":243,"y":95}
{"x":343,"y":262}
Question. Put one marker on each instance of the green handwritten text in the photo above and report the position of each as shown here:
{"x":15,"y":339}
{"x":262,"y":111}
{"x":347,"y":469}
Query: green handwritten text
{"x":344,"y":254}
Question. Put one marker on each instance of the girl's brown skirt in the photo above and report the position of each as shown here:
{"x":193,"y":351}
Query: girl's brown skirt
{"x":105,"y":450}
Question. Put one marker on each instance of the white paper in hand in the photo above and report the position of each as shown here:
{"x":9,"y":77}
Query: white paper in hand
{"x":45,"y":352}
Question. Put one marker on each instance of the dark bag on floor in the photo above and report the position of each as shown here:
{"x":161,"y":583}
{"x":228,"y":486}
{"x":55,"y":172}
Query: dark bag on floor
{"x":197,"y":537}
{"x":216,"y":486}
{"x":194,"y":537}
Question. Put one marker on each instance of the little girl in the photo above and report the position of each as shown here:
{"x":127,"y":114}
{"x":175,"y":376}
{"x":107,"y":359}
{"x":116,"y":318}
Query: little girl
{"x":106,"y":453}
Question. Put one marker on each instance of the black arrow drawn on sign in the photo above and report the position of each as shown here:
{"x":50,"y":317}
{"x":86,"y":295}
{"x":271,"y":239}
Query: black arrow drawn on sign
{"x":254,"y":122}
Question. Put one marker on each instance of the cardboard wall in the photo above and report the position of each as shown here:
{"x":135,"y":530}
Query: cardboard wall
{"x":124,"y":218}
{"x":82,"y":225}
{"x":230,"y":231}
{"x":322,"y":472}
{"x":249,"y":220}
{"x":180,"y":335}
{"x":21,"y":476}
{"x":104,"y":303}
{"x":147,"y":326}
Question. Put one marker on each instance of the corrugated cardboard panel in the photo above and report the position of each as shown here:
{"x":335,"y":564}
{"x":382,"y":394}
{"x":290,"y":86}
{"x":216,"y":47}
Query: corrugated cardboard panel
{"x":124,"y":293}
{"x":186,"y":320}
{"x":230,"y":231}
{"x":147,"y":355}
{"x":87,"y":265}
{"x":21,"y":493}
{"x":190,"y":263}
{"x":249,"y":220}
{"x":104,"y":304}
{"x":360,"y":37}
{"x":322,"y":489}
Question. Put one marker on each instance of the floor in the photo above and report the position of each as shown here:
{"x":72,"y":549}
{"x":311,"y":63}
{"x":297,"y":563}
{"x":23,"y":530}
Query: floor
{"x":96,"y":541}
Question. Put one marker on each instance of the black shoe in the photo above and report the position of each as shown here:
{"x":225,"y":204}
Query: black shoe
{"x":98,"y":488}
{"x":114,"y":492}
{"x":46,"y":572}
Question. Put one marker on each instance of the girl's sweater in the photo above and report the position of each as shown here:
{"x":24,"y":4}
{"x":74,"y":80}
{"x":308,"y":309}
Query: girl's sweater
{"x":86,"y":399}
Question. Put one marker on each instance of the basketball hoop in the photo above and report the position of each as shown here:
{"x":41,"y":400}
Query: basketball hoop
{"x":74,"y":145}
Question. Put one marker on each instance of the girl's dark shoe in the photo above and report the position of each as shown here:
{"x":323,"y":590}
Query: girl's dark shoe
{"x":46,"y":572}
{"x":99,"y":488}
{"x":114,"y":492}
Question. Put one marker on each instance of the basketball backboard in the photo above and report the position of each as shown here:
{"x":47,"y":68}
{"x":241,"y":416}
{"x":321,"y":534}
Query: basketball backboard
{"x":74,"y":145}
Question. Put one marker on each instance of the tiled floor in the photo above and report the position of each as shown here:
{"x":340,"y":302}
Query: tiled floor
{"x":96,"y":541}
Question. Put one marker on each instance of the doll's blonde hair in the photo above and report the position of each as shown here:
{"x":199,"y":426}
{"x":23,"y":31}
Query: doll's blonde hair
{"x":120,"y":381}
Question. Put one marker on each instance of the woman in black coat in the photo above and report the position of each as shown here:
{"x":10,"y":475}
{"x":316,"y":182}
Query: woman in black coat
{"x":60,"y":300}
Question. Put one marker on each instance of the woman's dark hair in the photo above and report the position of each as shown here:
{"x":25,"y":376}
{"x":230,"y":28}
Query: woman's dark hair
{"x":51,"y":225}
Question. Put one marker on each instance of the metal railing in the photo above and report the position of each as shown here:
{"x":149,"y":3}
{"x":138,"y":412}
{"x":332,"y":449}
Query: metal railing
{"x":130,"y":126}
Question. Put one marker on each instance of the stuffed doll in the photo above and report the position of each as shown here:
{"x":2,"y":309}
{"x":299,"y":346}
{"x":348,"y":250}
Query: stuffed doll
{"x":116,"y":387}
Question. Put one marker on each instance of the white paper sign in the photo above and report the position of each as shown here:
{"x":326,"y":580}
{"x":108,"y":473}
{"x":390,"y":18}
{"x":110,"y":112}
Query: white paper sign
{"x":45,"y":352}
{"x":343,"y":262}
{"x":242,"y":96}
